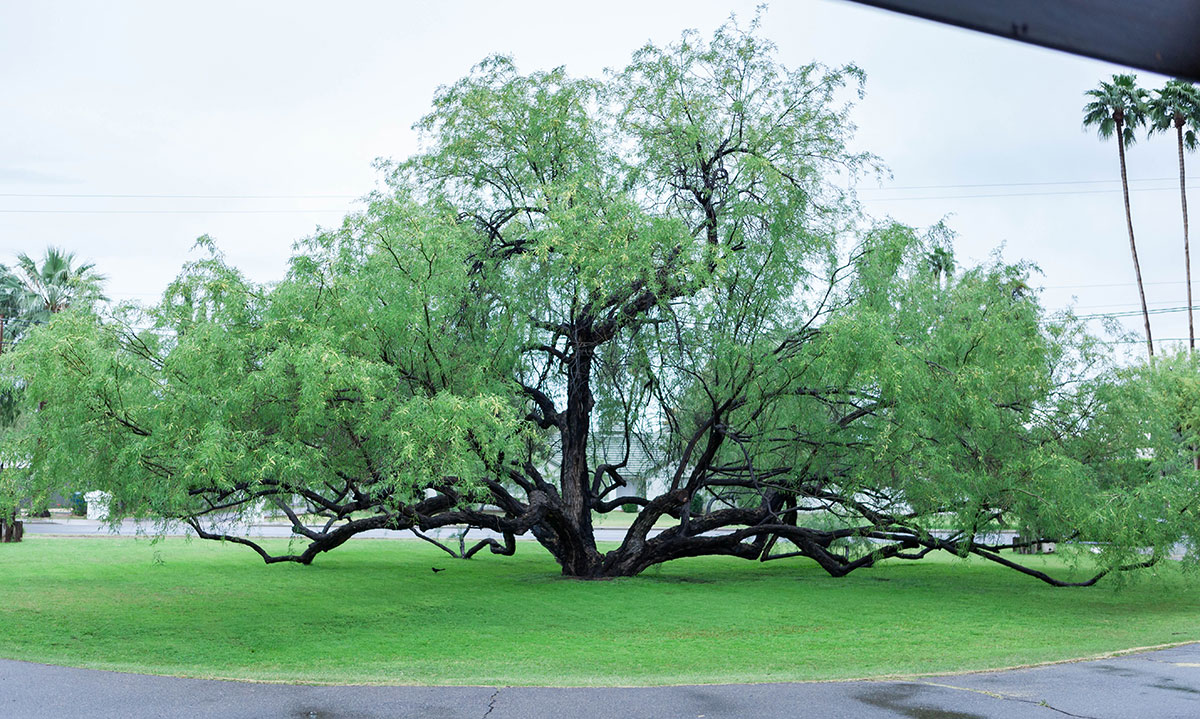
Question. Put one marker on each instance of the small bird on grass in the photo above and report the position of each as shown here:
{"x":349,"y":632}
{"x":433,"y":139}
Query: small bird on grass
{"x":438,"y":569}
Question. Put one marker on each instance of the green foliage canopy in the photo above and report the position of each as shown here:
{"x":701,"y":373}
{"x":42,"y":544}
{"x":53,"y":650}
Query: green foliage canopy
{"x":665,"y":260}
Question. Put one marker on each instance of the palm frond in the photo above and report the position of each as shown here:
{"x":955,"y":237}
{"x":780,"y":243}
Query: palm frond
{"x":1118,"y":102}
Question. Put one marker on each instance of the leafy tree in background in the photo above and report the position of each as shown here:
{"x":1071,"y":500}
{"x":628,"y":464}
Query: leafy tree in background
{"x":666,"y":258}
{"x":11,"y":306}
{"x":29,"y":295}
{"x":1177,"y":105}
{"x":1117,"y":109}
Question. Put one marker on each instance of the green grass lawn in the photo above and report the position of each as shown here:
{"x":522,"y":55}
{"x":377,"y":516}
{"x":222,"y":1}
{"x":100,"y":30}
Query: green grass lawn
{"x":373,"y":612}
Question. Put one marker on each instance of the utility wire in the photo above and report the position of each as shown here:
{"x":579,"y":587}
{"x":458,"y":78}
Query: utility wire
{"x":861,"y":189}
{"x":1110,"y":284}
{"x":1022,"y":194}
{"x":238,"y":212}
{"x":351,"y":197}
{"x":1135,"y":313}
{"x":183,"y":197}
{"x":169,"y":212}
{"x":1118,"y":306}
{"x":1025,"y":184}
{"x":1143,"y":341}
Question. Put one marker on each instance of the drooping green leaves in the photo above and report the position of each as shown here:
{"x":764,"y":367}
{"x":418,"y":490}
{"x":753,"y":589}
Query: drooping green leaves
{"x":660,"y":272}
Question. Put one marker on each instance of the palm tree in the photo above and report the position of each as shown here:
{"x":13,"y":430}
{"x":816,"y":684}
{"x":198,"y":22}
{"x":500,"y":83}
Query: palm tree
{"x":30,"y":292}
{"x":55,"y":284}
{"x":941,"y":263}
{"x":1117,"y":108}
{"x":1177,"y":105}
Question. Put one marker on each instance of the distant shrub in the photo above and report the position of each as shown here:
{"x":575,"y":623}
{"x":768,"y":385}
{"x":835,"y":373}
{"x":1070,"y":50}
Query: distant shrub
{"x":78,"y":504}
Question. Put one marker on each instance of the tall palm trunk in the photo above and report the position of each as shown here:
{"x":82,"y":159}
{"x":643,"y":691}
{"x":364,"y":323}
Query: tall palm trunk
{"x":1137,"y":268}
{"x":1187,"y":257}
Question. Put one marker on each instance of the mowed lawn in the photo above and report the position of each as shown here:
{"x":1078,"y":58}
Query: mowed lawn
{"x":373,"y":612}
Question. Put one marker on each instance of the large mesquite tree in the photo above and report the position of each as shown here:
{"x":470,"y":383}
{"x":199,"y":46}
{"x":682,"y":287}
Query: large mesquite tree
{"x":661,"y":261}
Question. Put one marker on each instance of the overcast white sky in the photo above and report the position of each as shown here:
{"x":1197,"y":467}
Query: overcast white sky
{"x":297,"y":98}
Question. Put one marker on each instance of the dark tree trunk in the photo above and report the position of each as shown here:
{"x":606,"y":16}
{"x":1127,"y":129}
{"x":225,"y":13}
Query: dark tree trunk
{"x":1187,"y":254}
{"x":11,"y":530}
{"x":1137,"y":268}
{"x":1187,"y":257}
{"x":576,"y":542}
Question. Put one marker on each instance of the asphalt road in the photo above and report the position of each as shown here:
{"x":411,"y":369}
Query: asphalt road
{"x":1156,"y":685}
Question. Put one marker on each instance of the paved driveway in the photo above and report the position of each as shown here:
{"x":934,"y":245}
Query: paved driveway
{"x":1159,"y":685}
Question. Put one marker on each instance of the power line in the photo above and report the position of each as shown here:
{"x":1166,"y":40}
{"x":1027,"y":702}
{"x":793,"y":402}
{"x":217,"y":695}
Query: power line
{"x":1135,"y":313}
{"x":351,"y":197}
{"x":1143,"y":341}
{"x":253,"y":212}
{"x":157,"y":196}
{"x":1024,"y":184}
{"x":1131,"y":305}
{"x":185,"y":197}
{"x":1021,"y":194}
{"x":1154,"y":304}
{"x":1110,"y":284}
{"x":169,"y":212}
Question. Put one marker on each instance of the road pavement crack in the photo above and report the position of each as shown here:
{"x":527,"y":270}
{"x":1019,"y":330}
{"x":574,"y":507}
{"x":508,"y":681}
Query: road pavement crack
{"x":492,"y":702}
{"x":1009,"y":697}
